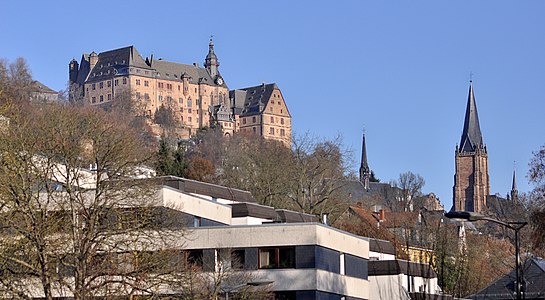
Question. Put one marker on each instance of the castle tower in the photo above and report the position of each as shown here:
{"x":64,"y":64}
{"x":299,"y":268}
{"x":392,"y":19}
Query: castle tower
{"x":471,"y":181}
{"x":365,"y":172}
{"x":211,"y":62}
{"x":514,"y":191}
{"x":73,"y":69}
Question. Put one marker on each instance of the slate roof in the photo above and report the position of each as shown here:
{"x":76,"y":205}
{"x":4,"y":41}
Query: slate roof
{"x":118,"y":61}
{"x":253,"y":100}
{"x":471,"y":135}
{"x":533,"y":271}
{"x":42,"y":88}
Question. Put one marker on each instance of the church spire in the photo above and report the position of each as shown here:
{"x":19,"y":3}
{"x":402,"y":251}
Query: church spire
{"x":471,"y":136}
{"x":514,"y":191}
{"x":365,"y":172}
{"x":211,"y":62}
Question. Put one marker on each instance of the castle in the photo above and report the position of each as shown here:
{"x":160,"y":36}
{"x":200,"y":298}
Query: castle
{"x":198,"y":96}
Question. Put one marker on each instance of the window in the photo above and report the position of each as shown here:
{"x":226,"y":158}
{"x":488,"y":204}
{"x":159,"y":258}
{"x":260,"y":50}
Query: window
{"x":169,"y":86}
{"x":146,"y":96}
{"x":160,"y":98}
{"x":237,"y":259}
{"x":272,"y":119}
{"x":194,"y":258}
{"x":189,"y":119}
{"x":93,"y":99}
{"x":197,"y":221}
{"x":181,"y":101}
{"x":137,"y":81}
{"x":108,"y":83}
{"x":282,"y":121}
{"x":276,"y":258}
{"x":189,"y":110}
{"x":271,"y":131}
{"x":138,"y":95}
{"x":94,"y":86}
{"x":101,"y":85}
{"x":282,"y":132}
{"x":109,"y":97}
{"x":124,"y":80}
{"x":101,"y":98}
{"x":254,"y":129}
{"x":178,"y":87}
{"x":253,"y":119}
{"x":146,"y":83}
{"x":116,"y":82}
{"x":189,"y":102}
{"x":243,"y":120}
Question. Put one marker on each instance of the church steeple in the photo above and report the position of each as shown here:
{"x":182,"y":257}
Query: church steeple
{"x":365,"y":172}
{"x":471,"y":180}
{"x":514,"y":191}
{"x":211,"y":62}
{"x":472,"y":139}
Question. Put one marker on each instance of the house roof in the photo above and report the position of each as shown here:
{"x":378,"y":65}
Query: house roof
{"x":253,"y":210}
{"x":253,"y":100}
{"x":533,"y":271}
{"x":42,"y":88}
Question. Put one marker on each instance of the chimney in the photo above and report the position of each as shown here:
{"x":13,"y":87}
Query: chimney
{"x":93,"y":59}
{"x":382,"y":215}
{"x":324,"y":218}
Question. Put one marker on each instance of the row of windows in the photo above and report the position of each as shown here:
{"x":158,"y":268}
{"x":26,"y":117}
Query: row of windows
{"x":108,"y":84}
{"x":254,"y":119}
{"x":146,"y":82}
{"x":101,"y":98}
{"x":272,"y":131}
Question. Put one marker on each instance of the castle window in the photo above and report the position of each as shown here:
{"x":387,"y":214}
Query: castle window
{"x":138,"y":95}
{"x":282,"y":121}
{"x":116,"y":82}
{"x":282,"y":132}
{"x":189,"y":102}
{"x":94,"y":86}
{"x":243,"y":120}
{"x":254,"y":129}
{"x":93,"y":99}
{"x":271,"y":131}
{"x":101,"y":85}
{"x":137,"y":81}
{"x":189,"y":119}
{"x":178,"y":87}
{"x":189,"y":110}
{"x":181,"y":101}
{"x":253,"y":119}
{"x":146,"y":83}
{"x":109,"y":97}
{"x":124,"y":80}
{"x":108,"y":83}
{"x":137,"y":70}
{"x":101,"y":98}
{"x":272,"y":119}
{"x":146,"y":96}
{"x":160,"y":98}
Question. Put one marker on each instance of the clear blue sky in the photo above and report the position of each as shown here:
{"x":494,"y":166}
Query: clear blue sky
{"x":399,"y":68}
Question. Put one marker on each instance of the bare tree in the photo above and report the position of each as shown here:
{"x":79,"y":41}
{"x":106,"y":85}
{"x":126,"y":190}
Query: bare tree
{"x":410,"y":187}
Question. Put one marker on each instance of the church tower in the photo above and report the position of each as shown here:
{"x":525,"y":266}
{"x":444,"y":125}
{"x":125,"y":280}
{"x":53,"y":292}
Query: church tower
{"x":365,"y":172}
{"x":471,"y":181}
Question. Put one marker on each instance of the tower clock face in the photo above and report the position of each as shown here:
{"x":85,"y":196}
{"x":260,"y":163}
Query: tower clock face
{"x":219,"y":81}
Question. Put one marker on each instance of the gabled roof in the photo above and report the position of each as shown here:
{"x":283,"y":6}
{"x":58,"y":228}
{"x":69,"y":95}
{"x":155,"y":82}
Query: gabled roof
{"x":174,"y":71}
{"x":533,"y":271}
{"x":471,"y":135}
{"x":112,"y":61}
{"x":253,"y":100}
{"x":42,"y":88}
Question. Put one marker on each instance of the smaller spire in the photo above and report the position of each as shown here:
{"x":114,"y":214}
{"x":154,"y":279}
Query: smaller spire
{"x":365,"y":172}
{"x":514,"y":191}
{"x":211,"y":62}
